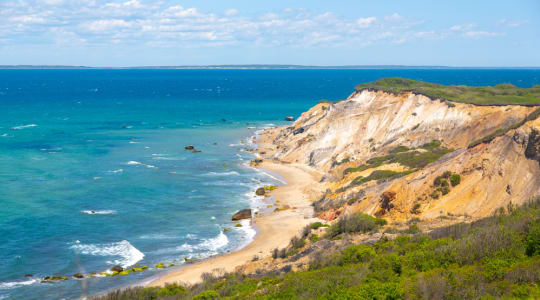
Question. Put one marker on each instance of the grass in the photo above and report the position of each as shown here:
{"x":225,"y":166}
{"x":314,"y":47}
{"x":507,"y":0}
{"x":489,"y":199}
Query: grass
{"x":501,"y":94}
{"x":492,"y":258}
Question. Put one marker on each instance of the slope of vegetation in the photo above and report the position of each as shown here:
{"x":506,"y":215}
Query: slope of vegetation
{"x":495,"y":257}
{"x":501,"y":94}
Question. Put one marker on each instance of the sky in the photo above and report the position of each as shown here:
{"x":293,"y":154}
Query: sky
{"x":306,"y":32}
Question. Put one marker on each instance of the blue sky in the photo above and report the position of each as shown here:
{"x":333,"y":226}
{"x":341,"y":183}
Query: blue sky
{"x":315,"y":32}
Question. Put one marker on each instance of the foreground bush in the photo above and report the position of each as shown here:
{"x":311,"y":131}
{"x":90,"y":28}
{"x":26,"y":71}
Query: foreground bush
{"x":492,"y":258}
{"x":355,"y":223}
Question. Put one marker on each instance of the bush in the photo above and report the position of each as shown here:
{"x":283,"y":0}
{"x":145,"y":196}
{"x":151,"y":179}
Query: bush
{"x":317,"y":225}
{"x":207,"y":295}
{"x":314,"y":237}
{"x":413,"y":229}
{"x":533,"y":239}
{"x":355,"y":223}
{"x":297,"y":242}
{"x":455,"y":179}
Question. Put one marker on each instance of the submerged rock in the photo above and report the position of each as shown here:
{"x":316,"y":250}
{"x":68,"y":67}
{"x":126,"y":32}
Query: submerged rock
{"x":289,"y":118}
{"x":28,"y":275}
{"x":78,"y":275}
{"x":242,"y":214}
{"x":189,"y":147}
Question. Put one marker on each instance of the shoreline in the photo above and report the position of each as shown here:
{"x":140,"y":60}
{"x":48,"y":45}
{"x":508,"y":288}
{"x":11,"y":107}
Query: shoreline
{"x":274,"y":230}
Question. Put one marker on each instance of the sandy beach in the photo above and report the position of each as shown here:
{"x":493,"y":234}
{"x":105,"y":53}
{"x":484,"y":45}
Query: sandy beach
{"x":274,"y":230}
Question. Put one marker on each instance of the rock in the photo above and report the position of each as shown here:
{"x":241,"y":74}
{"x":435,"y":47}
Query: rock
{"x":258,"y":160}
{"x":195,"y":151}
{"x":160,"y":266}
{"x":28,"y":275}
{"x":238,"y":225}
{"x":223,"y":120}
{"x":136,"y":270}
{"x":123,"y":273}
{"x":226,"y":230}
{"x":117,"y":268}
{"x":298,"y":131}
{"x":289,"y":118}
{"x":242,"y":214}
{"x":189,"y":147}
{"x":78,"y":275}
{"x":260,"y":191}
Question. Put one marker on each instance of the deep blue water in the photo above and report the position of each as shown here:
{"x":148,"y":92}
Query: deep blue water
{"x":112,"y":141}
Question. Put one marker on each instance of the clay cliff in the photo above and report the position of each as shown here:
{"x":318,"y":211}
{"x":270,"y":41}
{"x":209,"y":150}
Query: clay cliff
{"x":406,"y":155}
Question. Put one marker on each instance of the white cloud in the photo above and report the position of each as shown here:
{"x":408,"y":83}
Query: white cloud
{"x":512,"y":23}
{"x":463,"y":27}
{"x":480,"y":34}
{"x":106,"y":25}
{"x":231,"y":12}
{"x":365,"y":22}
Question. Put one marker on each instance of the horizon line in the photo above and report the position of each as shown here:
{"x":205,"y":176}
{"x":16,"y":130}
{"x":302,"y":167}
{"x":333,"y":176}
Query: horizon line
{"x":264,"y":66}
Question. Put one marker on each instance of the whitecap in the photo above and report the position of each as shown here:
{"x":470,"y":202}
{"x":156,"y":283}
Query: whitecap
{"x":4,"y":135}
{"x":248,"y":232}
{"x":126,"y":253}
{"x":13,"y":284}
{"x":133,"y":163}
{"x":214,"y":244}
{"x":23,"y":126}
{"x":117,"y":171}
{"x":156,"y":236}
{"x":132,"y":142}
{"x":99,"y":212}
{"x":221,"y":173}
{"x":96,"y":177}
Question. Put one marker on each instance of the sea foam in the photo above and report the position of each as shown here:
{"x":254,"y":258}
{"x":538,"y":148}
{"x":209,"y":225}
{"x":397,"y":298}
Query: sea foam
{"x":126,"y":253}
{"x":23,"y":126}
{"x":13,"y":284}
{"x":99,"y":212}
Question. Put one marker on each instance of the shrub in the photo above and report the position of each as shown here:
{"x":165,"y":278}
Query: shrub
{"x":357,"y":254}
{"x":297,"y":242}
{"x":455,"y":179}
{"x":207,"y":295}
{"x":533,"y":239}
{"x":314,"y":237}
{"x":444,"y":183}
{"x":317,"y":225}
{"x":416,"y":209}
{"x":358,"y":222}
{"x":306,"y":231}
{"x":437,"y":181}
{"x":413,"y":229}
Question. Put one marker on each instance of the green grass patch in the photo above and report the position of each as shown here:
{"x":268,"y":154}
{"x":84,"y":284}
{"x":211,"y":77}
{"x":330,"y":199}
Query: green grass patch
{"x":502,"y":94}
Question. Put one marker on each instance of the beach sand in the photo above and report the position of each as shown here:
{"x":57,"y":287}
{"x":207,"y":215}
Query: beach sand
{"x":274,"y":229}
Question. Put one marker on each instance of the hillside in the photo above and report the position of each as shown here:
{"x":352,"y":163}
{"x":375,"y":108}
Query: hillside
{"x":424,"y":198}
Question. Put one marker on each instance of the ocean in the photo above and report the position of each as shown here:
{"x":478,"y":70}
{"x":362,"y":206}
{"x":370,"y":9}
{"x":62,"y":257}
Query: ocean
{"x":93,"y":170}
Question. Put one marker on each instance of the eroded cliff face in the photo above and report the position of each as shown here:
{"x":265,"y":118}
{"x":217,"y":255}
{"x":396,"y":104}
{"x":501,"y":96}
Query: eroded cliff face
{"x":379,"y":156}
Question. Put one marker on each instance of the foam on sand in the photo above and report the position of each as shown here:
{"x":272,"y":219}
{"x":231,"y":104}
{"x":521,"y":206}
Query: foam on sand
{"x":124,"y":253}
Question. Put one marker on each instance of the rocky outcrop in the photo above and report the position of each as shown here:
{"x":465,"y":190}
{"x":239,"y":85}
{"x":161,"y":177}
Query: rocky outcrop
{"x":533,"y":146}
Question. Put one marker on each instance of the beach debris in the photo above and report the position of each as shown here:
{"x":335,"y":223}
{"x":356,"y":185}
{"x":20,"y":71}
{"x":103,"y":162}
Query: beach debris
{"x":242,"y":214}
{"x":289,"y":118}
{"x":189,"y":147}
{"x":117,"y":268}
{"x":260,"y":191}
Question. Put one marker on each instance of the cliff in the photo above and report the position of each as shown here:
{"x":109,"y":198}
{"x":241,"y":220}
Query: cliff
{"x":408,"y":155}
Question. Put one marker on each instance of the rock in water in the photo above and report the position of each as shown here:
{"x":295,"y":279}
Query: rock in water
{"x":78,"y":275}
{"x":242,"y":214}
{"x":189,"y":147}
{"x":289,"y":118}
{"x":117,"y":269}
{"x":260,"y":192}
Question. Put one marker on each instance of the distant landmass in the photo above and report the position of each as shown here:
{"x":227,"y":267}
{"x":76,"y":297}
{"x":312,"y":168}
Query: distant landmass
{"x":255,"y":66}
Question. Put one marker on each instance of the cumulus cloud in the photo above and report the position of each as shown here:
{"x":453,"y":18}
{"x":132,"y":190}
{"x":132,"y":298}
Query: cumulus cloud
{"x":512,"y":23}
{"x":159,"y":23}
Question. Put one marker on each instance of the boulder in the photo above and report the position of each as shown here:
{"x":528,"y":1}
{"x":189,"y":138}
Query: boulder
{"x":117,"y":268}
{"x":78,"y":275}
{"x":189,"y":147}
{"x":260,"y":191}
{"x":195,"y":151}
{"x":258,"y":160}
{"x":289,"y":118}
{"x":299,"y":130}
{"x":242,"y":214}
{"x":160,"y":266}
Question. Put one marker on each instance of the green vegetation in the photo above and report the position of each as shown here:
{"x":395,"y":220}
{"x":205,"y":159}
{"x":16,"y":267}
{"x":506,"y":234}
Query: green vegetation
{"x":441,"y":183}
{"x":502,"y":94}
{"x":501,"y":131}
{"x":492,"y":258}
{"x":355,"y":223}
{"x":411,"y":158}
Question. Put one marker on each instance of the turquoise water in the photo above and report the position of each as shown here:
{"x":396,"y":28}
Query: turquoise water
{"x":112,"y":142}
